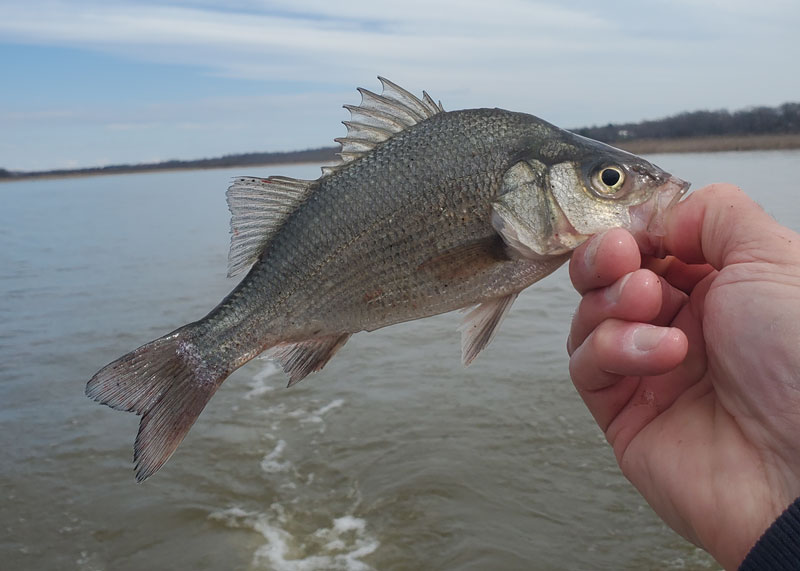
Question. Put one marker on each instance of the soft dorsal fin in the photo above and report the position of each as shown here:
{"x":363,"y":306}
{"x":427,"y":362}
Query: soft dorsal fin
{"x":258,"y":208}
{"x":379,"y":117}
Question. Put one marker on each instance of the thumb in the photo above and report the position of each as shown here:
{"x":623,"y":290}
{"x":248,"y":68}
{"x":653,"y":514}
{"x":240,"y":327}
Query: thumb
{"x":720,"y":225}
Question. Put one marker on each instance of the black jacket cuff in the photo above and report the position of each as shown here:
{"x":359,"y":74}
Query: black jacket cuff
{"x":779,"y":547}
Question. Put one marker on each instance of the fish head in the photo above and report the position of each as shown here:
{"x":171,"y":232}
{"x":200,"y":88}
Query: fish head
{"x":574,"y":188}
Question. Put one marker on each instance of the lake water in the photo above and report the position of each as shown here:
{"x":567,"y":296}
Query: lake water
{"x":393,"y":457}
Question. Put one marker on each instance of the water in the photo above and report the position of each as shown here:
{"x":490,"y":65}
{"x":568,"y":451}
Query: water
{"x":393,"y":457}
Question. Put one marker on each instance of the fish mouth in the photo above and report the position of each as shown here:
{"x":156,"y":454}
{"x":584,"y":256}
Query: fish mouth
{"x":649,"y":219}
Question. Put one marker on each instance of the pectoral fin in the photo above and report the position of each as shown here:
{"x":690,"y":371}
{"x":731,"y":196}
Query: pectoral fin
{"x":480,"y":325}
{"x":467,"y":259}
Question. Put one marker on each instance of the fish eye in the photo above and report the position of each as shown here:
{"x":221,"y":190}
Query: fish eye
{"x":609,"y":179}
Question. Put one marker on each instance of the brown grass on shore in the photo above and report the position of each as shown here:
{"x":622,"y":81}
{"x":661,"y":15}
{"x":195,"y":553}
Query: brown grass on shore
{"x":711,"y":144}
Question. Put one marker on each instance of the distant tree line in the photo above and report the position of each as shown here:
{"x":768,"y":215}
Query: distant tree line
{"x":784,"y":119}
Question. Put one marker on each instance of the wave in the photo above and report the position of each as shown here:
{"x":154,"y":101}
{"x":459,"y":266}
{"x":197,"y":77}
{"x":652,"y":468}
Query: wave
{"x":341,"y":546}
{"x":259,"y":386}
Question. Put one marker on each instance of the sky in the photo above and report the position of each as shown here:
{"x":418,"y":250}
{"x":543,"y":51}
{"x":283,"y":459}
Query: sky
{"x":96,"y":82}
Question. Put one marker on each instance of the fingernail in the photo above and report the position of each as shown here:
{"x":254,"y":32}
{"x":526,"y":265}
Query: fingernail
{"x":614,"y":292}
{"x":647,"y":337}
{"x":590,"y":253}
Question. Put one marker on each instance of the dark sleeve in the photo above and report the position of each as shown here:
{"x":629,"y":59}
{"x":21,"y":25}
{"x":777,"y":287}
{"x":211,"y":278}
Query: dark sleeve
{"x":779,"y":547}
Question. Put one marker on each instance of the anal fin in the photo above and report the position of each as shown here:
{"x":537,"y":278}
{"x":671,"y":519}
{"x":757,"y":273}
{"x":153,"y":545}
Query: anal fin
{"x":480,"y":325}
{"x":304,"y":357}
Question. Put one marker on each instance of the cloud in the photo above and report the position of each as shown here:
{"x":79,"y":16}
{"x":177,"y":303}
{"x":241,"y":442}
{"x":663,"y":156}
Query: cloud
{"x":318,"y":39}
{"x":49,"y":115}
{"x":573,"y":63}
{"x":503,"y":51}
{"x":292,"y":41}
{"x":283,"y":24}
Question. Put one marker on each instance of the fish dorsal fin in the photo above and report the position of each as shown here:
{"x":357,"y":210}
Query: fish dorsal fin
{"x":379,"y":117}
{"x":480,"y":325}
{"x":258,"y":208}
{"x":260,"y":205}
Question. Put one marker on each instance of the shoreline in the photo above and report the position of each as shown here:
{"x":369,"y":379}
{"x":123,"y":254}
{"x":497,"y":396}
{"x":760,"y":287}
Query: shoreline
{"x":150,"y":170}
{"x":710,"y":144}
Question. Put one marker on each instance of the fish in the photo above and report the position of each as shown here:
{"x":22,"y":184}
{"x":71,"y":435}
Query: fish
{"x":426,"y":212}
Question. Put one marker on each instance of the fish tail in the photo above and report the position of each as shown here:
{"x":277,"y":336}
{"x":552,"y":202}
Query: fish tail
{"x":168,"y":384}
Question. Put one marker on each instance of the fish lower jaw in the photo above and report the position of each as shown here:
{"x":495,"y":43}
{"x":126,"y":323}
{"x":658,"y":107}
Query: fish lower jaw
{"x":649,"y":219}
{"x":651,"y":245}
{"x":649,"y":238}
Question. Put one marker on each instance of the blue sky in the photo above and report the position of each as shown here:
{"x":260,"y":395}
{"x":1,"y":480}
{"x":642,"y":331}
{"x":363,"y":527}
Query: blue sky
{"x":88,"y":82}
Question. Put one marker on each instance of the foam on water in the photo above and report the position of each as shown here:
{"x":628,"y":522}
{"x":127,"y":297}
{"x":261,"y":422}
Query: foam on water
{"x":259,"y":386}
{"x":340,"y":546}
{"x":315,"y":417}
{"x":272,"y":463}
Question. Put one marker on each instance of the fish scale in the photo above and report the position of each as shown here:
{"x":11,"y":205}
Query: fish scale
{"x":429,"y":211}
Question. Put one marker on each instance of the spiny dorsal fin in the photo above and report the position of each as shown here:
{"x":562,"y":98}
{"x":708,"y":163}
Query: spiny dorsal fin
{"x":379,"y":117}
{"x":258,"y":208}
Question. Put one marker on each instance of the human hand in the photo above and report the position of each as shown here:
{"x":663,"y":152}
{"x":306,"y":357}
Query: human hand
{"x":691,"y":366}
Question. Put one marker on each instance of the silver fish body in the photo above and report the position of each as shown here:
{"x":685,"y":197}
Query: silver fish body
{"x":430,"y":211}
